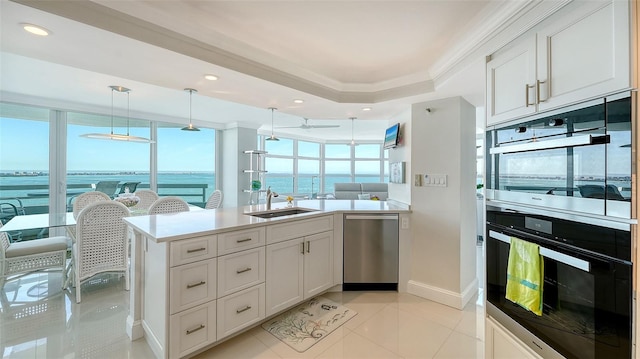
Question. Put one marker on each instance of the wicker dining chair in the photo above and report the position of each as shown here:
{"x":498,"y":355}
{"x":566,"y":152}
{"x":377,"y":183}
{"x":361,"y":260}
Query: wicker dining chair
{"x":147,"y":197}
{"x":102,"y":243}
{"x":215,"y":200}
{"x":170,"y":204}
{"x":84,"y":199}
{"x":21,"y":258}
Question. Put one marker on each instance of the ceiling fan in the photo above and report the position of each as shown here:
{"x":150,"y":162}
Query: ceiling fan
{"x":307,"y":126}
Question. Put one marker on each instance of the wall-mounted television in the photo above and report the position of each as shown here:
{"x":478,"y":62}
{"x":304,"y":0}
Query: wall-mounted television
{"x":392,"y":136}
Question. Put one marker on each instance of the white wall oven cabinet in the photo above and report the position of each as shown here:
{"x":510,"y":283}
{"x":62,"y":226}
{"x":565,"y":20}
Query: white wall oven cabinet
{"x":500,"y":344}
{"x":581,"y":52}
{"x":510,"y":75}
{"x":575,"y":160}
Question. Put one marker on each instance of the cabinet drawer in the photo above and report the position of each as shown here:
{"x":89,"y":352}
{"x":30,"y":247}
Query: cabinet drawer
{"x":240,"y":310}
{"x":192,"y":250}
{"x":283,"y":231}
{"x":235,"y":241}
{"x":192,"y":329}
{"x":240,"y":270}
{"x":192,"y":284}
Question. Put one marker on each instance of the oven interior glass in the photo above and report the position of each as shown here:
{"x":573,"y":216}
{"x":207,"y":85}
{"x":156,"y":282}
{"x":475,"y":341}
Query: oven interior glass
{"x":586,"y":314}
{"x":601,"y":170}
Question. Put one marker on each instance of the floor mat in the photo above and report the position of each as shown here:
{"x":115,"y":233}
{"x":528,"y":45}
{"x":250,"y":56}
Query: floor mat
{"x":306,"y":324}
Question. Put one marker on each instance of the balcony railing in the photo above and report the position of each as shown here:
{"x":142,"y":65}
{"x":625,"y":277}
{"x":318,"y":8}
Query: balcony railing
{"x":34,"y":199}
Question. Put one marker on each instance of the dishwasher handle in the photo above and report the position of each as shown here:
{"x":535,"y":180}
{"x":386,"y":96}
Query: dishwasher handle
{"x":363,"y":216}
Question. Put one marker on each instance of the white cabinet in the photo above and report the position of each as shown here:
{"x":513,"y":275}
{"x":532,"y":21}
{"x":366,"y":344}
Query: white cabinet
{"x":509,"y":78}
{"x":318,"y":264}
{"x":199,"y":291}
{"x":240,"y":270}
{"x":285,"y":266}
{"x":500,"y":344}
{"x":584,"y":53}
{"x":192,"y":329}
{"x":298,"y":269}
{"x":240,"y":310}
{"x":580,"y":52}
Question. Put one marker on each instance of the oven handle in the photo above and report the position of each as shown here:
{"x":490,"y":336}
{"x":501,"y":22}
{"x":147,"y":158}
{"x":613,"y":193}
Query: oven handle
{"x":551,"y":254}
{"x":564,"y":142}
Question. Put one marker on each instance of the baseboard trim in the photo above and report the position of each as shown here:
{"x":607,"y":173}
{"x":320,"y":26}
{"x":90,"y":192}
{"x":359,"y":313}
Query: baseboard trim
{"x":443,"y":296}
{"x":134,"y":328}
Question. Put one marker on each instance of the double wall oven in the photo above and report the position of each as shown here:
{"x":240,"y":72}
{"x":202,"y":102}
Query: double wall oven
{"x":563,"y":181}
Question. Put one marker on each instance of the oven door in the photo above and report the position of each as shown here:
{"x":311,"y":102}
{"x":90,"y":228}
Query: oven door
{"x":577,"y":160}
{"x":586,"y":298}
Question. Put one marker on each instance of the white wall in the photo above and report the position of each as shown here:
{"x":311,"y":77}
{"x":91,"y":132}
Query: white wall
{"x":443,"y":219}
{"x":401,"y":192}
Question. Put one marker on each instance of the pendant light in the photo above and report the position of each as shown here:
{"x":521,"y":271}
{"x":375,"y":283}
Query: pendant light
{"x":190,"y":127}
{"x":353,"y":142}
{"x":272,"y":138}
{"x":114,"y":136}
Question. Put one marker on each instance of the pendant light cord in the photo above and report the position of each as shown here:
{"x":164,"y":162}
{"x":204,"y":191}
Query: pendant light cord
{"x":128,"y":113}
{"x":190,"y":103}
{"x":112,"y":111}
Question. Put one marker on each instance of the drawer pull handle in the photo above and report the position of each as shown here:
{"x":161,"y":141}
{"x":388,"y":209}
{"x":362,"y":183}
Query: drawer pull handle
{"x":243,"y":270}
{"x":243,"y":240}
{"x":238,"y":311}
{"x":190,"y":331}
{"x":196,"y":250}
{"x":189,"y":286}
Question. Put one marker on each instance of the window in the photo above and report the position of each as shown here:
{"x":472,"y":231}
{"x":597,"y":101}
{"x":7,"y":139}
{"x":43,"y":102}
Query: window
{"x":105,"y":165}
{"x":186,"y":163}
{"x":24,"y":163}
{"x":307,"y":168}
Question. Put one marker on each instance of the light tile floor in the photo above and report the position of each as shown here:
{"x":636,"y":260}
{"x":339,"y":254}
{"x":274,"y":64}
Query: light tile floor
{"x":39,"y":320}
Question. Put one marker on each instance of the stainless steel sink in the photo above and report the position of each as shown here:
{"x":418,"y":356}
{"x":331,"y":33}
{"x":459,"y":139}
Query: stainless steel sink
{"x":280,"y":212}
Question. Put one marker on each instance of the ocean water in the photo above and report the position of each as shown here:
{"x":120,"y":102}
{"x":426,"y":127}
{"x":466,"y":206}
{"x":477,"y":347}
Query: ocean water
{"x":281,"y":183}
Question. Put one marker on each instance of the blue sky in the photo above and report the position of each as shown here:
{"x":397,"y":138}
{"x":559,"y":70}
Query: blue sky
{"x":24,"y":145}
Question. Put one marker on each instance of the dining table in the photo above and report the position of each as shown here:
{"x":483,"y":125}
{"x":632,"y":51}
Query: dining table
{"x":52,"y":220}
{"x":35,"y":221}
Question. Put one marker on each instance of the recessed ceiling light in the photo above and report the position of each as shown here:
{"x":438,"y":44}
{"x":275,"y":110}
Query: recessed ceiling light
{"x":366,"y":109}
{"x":211,"y":77}
{"x":35,"y":29}
{"x":298,"y":100}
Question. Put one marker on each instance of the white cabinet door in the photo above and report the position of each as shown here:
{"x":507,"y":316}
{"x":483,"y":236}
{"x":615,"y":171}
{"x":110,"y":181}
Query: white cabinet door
{"x":318,"y":263}
{"x":511,"y":82}
{"x":584,"y":53}
{"x":500,"y":344}
{"x":284,"y":275}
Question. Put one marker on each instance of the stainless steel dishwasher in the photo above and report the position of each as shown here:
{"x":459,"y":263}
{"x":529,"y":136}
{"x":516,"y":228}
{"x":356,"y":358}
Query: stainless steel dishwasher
{"x":370,"y":252}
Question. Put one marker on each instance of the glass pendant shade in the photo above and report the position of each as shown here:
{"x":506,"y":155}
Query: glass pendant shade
{"x":273,"y":137}
{"x":190,"y":127}
{"x":115,"y":136}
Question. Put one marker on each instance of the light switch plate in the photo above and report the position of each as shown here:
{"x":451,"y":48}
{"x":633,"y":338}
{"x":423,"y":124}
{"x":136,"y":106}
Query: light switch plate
{"x":435,"y":180}
{"x":417,"y":180}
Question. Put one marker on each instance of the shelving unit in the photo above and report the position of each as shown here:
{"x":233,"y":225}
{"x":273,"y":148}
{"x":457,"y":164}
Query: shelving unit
{"x":256,"y":173}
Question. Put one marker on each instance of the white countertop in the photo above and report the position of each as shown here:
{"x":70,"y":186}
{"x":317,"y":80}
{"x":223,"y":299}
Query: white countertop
{"x":168,"y":227}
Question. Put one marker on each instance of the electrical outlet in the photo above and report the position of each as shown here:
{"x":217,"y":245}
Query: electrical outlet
{"x":405,"y":223}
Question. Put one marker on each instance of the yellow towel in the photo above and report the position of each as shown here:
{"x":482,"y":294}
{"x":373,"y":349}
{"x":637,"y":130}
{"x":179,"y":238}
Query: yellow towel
{"x":525,"y":275}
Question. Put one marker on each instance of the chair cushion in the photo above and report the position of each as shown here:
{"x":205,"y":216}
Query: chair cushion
{"x":36,"y":246}
{"x":346,"y":190}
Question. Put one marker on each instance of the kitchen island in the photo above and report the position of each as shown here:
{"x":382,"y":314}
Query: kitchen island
{"x":199,"y":278}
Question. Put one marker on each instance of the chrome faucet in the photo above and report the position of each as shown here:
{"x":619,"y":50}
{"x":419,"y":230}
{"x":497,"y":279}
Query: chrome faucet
{"x":269,"y":195}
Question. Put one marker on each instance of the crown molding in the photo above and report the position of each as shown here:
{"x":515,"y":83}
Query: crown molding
{"x":234,"y":56}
